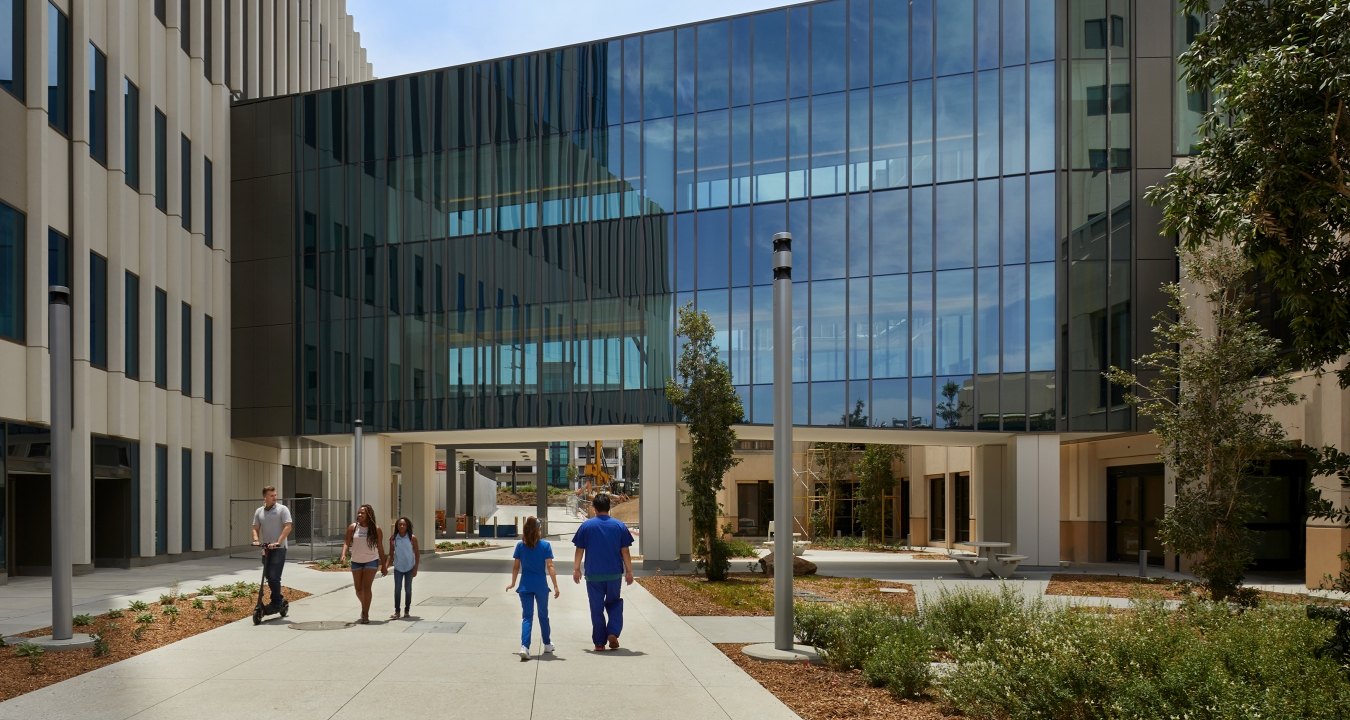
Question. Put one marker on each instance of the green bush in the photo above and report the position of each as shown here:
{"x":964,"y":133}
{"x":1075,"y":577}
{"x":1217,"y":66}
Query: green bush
{"x":114,"y":614}
{"x":197,"y":603}
{"x":82,"y":620}
{"x":967,"y":615}
{"x":31,"y":652}
{"x":862,"y":628}
{"x":741,"y":549}
{"x":139,"y":606}
{"x":206,"y":590}
{"x":1203,"y":660}
{"x":815,"y":624}
{"x":901,"y":661}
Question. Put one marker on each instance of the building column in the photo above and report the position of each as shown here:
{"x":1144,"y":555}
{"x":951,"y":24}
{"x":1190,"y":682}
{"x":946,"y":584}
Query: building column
{"x":540,"y":487}
{"x":419,"y":490}
{"x":660,"y":509}
{"x":1033,"y":468}
{"x":992,"y":493}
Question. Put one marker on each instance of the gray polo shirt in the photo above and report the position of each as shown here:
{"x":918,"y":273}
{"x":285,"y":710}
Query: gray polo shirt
{"x":270,"y":523}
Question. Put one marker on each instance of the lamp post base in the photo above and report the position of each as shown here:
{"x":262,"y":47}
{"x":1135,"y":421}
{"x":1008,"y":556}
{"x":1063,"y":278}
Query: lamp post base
{"x":77,"y":641}
{"x":770,"y":653}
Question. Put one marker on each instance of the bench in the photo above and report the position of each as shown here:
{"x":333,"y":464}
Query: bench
{"x":1003,"y":566}
{"x":973,"y":565}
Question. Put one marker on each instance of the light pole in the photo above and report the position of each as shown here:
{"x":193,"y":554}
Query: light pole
{"x":356,"y":470}
{"x":63,"y":636}
{"x":782,"y":441}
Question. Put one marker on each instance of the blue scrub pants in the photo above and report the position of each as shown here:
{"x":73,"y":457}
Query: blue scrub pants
{"x":604,"y":597}
{"x":528,"y":600}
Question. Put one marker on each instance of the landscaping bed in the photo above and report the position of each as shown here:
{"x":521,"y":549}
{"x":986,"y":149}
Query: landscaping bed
{"x":119,"y":630}
{"x":818,"y":692}
{"x":1126,"y":586}
{"x":751,"y":595}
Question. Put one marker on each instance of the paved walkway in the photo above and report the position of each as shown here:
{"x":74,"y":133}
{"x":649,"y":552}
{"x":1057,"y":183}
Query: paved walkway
{"x":422,"y":667}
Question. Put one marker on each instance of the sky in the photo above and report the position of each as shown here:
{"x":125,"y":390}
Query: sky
{"x":404,"y":36}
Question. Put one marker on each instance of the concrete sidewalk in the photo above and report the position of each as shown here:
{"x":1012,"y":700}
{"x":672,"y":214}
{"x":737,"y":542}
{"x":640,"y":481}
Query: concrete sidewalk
{"x":429,"y":665}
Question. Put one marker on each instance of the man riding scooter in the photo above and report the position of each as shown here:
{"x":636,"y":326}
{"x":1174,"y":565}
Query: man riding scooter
{"x":271,"y":525}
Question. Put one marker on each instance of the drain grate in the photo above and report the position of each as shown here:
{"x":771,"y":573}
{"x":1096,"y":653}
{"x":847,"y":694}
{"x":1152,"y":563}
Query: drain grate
{"x":321,"y":625}
{"x":453,"y":601}
{"x":427,"y":626}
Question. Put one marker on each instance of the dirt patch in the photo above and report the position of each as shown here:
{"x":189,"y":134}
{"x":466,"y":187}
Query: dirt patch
{"x":627,"y":511}
{"x":751,"y":595}
{"x":529,"y":499}
{"x":819,"y":693}
{"x":17,"y":677}
{"x":929,"y":556}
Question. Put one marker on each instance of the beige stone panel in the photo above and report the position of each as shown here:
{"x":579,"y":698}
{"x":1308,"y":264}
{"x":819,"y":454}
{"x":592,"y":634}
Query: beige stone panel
{"x":1324,"y":546}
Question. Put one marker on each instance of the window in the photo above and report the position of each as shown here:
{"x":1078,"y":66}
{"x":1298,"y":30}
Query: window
{"x":1095,"y":32}
{"x":185,"y":25}
{"x":131,"y":136}
{"x":208,"y":497}
{"x":161,"y":161}
{"x":206,"y":39}
{"x":961,"y":497}
{"x":186,"y":182}
{"x":132,"y":326}
{"x":98,"y":311}
{"x":187,"y":500}
{"x":187,"y":349}
{"x":1119,"y":99}
{"x":58,"y":259}
{"x":12,"y":38}
{"x":937,"y":509}
{"x":229,"y":37}
{"x":12,"y":282}
{"x":98,"y":105}
{"x":161,"y":499}
{"x":208,"y":361}
{"x":58,"y":69}
{"x":161,"y":339}
{"x":160,"y":11}
{"x":208,"y":201}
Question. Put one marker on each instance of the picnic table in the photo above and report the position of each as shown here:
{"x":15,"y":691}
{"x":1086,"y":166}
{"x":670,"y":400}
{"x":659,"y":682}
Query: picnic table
{"x":985,"y":560}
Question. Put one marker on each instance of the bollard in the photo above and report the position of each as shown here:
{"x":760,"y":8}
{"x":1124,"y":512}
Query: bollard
{"x":1143,"y":563}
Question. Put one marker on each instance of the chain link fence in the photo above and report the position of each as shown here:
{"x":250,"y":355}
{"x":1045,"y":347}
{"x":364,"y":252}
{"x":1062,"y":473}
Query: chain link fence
{"x":319,"y":526}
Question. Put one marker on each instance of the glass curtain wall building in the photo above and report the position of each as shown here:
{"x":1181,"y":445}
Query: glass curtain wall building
{"x":504,"y":244}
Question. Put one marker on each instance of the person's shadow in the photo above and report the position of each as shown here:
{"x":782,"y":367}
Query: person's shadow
{"x":621,"y":652}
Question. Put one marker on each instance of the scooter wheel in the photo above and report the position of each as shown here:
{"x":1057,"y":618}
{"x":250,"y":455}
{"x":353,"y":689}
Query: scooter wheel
{"x":285,"y":609}
{"x":257,"y":616}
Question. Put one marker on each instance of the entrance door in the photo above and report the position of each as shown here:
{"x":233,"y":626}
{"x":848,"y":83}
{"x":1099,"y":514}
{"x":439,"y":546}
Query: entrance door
{"x":31,"y":500}
{"x":1134,"y":504}
{"x":112,"y":522}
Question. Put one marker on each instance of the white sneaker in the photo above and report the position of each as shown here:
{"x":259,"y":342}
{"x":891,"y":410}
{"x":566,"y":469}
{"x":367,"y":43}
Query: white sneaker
{"x":548,"y":649}
{"x":524,"y":653}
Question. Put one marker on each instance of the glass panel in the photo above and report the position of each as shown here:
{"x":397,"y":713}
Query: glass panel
{"x":921,"y":38}
{"x":98,"y":104}
{"x":713,"y":188}
{"x":740,"y":61}
{"x":955,"y":323}
{"x":98,"y":311}
{"x":1041,"y":328}
{"x":859,"y":45}
{"x":1014,"y":32}
{"x":955,"y":226}
{"x":987,"y":309}
{"x":828,"y":403}
{"x":859,"y":244}
{"x":1042,"y":214}
{"x":799,"y":153}
{"x":859,"y":329}
{"x":859,"y":141}
{"x":659,"y":172}
{"x":714,"y":88}
{"x":828,"y":330}
{"x":890,"y":232}
{"x":987,"y":219}
{"x":1014,"y":121}
{"x":921,"y":118}
{"x":1041,"y":29}
{"x":890,"y":326}
{"x":799,"y":51}
{"x":1041,"y":103}
{"x":770,"y":152}
{"x":685,"y":146}
{"x":713,"y":249}
{"x":890,"y":136}
{"x":741,"y":238}
{"x":770,"y":56}
{"x":131,"y":343}
{"x":986,"y":34}
{"x":1013,"y":399}
{"x":921,"y":228}
{"x":738,"y":341}
{"x":1014,"y":319}
{"x":921,"y":338}
{"x":131,"y":138}
{"x":921,"y":402}
{"x":632,"y":84}
{"x":13,"y":273}
{"x":829,"y":129}
{"x":58,"y":69}
{"x":828,"y":232}
{"x":956,"y":27}
{"x":686,"y":62}
{"x":1014,"y":220}
{"x":12,"y":66}
{"x":955,"y":128}
{"x":801,"y":317}
{"x":829,"y":56}
{"x":658,"y":80}
{"x":955,"y":404}
{"x":761,"y":323}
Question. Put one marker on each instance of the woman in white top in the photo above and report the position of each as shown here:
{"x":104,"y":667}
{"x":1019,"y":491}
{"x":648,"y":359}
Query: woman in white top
{"x":367,"y":552}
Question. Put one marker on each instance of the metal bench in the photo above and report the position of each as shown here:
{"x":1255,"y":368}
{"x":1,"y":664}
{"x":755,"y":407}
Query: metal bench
{"x":1003,"y":566}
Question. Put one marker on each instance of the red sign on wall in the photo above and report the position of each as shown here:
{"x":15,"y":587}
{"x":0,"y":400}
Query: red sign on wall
{"x":440,"y":466}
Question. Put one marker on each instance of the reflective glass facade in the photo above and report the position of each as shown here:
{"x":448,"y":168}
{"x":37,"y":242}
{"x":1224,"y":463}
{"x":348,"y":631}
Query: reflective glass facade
{"x":504,"y":244}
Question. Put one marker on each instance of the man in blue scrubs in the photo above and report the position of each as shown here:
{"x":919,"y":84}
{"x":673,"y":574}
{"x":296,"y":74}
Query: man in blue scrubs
{"x":602,"y":542}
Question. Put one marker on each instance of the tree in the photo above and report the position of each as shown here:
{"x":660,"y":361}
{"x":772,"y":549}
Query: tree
{"x":706,"y":398}
{"x":1209,"y":398}
{"x":1271,"y":170}
{"x":836,"y":460}
{"x":952,"y":410}
{"x":632,"y":461}
{"x":875,"y":477}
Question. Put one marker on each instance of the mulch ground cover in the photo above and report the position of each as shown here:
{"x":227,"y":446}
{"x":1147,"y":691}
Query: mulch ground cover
{"x":1126,"y":586}
{"x":226,"y":605}
{"x":751,"y":595}
{"x":816,"y":692}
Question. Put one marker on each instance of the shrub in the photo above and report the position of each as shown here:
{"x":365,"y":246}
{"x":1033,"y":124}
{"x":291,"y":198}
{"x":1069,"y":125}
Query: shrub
{"x":31,"y":652}
{"x":901,"y":661}
{"x":968,"y":615}
{"x":172,"y":612}
{"x":206,"y":590}
{"x":861,"y":629}
{"x":114,"y":614}
{"x":197,"y":603}
{"x":139,"y":606}
{"x":815,"y":624}
{"x":100,"y":645}
{"x":82,"y":620}
{"x":239,"y":592}
{"x":145,"y":618}
{"x":741,"y":549}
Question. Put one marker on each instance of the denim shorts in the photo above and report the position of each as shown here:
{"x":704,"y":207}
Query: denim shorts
{"x":372,"y":565}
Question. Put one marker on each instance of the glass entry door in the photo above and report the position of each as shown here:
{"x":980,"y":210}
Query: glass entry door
{"x":1134,"y":505}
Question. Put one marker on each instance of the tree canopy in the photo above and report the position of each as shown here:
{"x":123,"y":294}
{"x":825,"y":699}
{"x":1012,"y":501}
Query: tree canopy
{"x":1271,"y":170}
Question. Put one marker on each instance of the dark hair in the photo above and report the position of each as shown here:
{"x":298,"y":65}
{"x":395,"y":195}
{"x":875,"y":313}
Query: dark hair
{"x":403,"y":519}
{"x":268,"y":489}
{"x":601,"y":503}
{"x":531,"y":531}
{"x":372,"y":530}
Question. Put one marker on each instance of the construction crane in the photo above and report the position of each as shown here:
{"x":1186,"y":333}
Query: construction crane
{"x":597,"y":478}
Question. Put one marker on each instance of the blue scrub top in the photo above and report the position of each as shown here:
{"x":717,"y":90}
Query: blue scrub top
{"x":603,"y":537}
{"x":533,"y":566}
